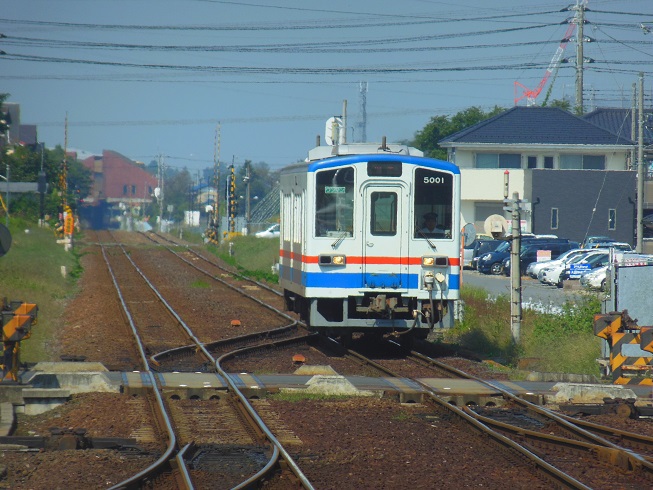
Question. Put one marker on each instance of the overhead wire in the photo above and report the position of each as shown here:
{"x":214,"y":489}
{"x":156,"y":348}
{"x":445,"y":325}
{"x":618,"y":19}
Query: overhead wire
{"x":283,"y":26}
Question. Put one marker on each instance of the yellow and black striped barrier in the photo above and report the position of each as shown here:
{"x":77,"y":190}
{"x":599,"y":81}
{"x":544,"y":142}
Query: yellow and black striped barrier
{"x":631,"y":348}
{"x":18,"y":318}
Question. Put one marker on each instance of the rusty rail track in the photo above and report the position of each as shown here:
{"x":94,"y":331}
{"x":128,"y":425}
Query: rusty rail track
{"x":276,"y":451}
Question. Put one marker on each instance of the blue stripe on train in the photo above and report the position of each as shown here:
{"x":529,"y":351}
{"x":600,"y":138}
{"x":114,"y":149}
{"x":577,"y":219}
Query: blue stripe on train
{"x":344,"y":280}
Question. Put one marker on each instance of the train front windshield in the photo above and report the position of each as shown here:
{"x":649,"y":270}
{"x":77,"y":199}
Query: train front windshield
{"x":433,"y":204}
{"x":334,"y":203}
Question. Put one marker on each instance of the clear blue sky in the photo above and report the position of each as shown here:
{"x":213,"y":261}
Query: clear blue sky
{"x":149,"y":77}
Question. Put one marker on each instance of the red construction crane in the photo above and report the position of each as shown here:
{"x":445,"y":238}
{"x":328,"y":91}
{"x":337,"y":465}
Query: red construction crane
{"x":531,"y":95}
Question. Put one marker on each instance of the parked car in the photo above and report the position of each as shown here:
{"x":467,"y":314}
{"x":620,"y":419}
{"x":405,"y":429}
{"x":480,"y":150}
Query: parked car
{"x":589,"y":263}
{"x":468,"y":250}
{"x":590,"y":240}
{"x":551,"y":275}
{"x":493,"y":262}
{"x":620,"y":246}
{"x":482,"y":247}
{"x":534,"y":268}
{"x":529,"y":253}
{"x":271,"y":232}
{"x":595,"y":279}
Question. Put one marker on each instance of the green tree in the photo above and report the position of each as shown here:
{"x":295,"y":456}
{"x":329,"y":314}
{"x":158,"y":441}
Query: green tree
{"x":25,"y":164}
{"x":261,"y":181}
{"x":440,"y":127}
{"x":561,"y":103}
{"x":177,"y":193}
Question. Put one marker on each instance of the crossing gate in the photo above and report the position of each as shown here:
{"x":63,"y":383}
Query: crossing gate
{"x":631,"y":348}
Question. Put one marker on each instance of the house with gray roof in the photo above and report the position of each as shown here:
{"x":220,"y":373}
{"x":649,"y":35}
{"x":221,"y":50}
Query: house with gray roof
{"x":576,"y":174}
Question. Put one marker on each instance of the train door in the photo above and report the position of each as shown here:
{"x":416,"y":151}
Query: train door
{"x":384,"y":248}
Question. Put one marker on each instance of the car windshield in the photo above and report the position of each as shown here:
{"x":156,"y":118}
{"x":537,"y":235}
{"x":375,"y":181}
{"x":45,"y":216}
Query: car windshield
{"x":505,"y":246}
{"x":570,"y":253}
{"x":596,"y":258}
{"x":577,"y":258}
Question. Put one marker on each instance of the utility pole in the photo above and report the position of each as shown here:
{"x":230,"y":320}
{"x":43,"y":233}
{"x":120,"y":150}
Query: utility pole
{"x":640,"y":167}
{"x":7,"y":197}
{"x":362,"y":87}
{"x":343,"y":137}
{"x":514,"y":205}
{"x":161,"y":178}
{"x":42,"y":187}
{"x":232,"y":196}
{"x":215,"y":223}
{"x":248,"y":213}
{"x":633,"y":126}
{"x":580,"y":19}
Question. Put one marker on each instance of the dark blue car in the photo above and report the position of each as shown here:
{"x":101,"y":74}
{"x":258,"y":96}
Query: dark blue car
{"x":529,"y":253}
{"x":494,"y":262}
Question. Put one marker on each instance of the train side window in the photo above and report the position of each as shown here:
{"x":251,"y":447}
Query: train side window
{"x":383,"y":213}
{"x":334,"y":202}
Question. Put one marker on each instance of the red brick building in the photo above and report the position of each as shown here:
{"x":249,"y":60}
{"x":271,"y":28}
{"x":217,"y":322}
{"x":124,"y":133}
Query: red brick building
{"x":121,"y":187}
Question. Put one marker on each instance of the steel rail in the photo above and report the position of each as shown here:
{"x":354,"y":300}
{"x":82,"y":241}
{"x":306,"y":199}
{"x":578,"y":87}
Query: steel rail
{"x":231,"y":286}
{"x":618,"y":457}
{"x":135,"y":480}
{"x":278,"y":448}
{"x":202,"y":257}
{"x":551,"y":471}
{"x":211,"y":346}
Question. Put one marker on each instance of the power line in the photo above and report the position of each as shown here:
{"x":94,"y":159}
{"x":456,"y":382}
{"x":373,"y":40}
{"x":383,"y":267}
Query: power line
{"x":285,"y":26}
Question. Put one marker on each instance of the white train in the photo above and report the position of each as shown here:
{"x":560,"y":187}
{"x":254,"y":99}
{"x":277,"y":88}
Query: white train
{"x":359,"y":251}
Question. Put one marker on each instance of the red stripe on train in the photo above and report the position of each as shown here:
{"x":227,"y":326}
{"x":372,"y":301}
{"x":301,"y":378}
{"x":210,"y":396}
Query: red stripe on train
{"x":353,"y":259}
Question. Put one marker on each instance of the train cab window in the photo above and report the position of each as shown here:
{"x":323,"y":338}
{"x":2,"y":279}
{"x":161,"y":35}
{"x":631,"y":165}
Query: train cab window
{"x":433,"y":206}
{"x":334,"y":203}
{"x":383,"y":213}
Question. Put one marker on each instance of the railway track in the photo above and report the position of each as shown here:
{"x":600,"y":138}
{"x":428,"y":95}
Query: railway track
{"x":523,"y":430}
{"x":571,"y":452}
{"x":356,"y":442}
{"x":221,"y":434}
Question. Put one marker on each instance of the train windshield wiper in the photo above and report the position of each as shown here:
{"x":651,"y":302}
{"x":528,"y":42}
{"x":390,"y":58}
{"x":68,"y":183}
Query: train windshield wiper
{"x":431,"y":244}
{"x":339,"y":240}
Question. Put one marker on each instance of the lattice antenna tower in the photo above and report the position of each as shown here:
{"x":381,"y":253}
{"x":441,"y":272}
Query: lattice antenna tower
{"x":362,"y":100}
{"x":63,"y":177}
{"x":216,"y":181}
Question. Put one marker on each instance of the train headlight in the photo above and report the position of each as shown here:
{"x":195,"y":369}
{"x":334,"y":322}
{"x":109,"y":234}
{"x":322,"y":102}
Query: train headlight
{"x":332,"y":260}
{"x":435,"y":261}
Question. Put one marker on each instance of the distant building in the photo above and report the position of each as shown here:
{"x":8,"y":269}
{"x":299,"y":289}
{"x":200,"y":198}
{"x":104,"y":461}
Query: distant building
{"x":120,"y":188}
{"x":576,"y":172}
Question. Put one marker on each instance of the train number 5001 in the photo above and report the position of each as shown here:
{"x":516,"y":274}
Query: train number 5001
{"x":434,"y":180}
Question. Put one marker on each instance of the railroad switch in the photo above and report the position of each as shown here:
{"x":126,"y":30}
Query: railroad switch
{"x":71,"y":439}
{"x":619,"y":407}
{"x":18,"y":318}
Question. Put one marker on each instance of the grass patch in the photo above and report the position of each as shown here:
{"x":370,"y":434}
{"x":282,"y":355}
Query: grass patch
{"x":252,"y":257}
{"x":32,"y":272}
{"x":200,"y":284}
{"x":301,"y":395}
{"x":402,"y":416}
{"x":563,"y":343}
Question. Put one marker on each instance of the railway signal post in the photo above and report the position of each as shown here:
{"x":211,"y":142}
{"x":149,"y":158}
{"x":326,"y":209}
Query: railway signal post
{"x":515,"y":206}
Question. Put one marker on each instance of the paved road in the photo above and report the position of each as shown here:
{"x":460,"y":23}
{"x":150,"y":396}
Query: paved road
{"x":533,"y":291}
